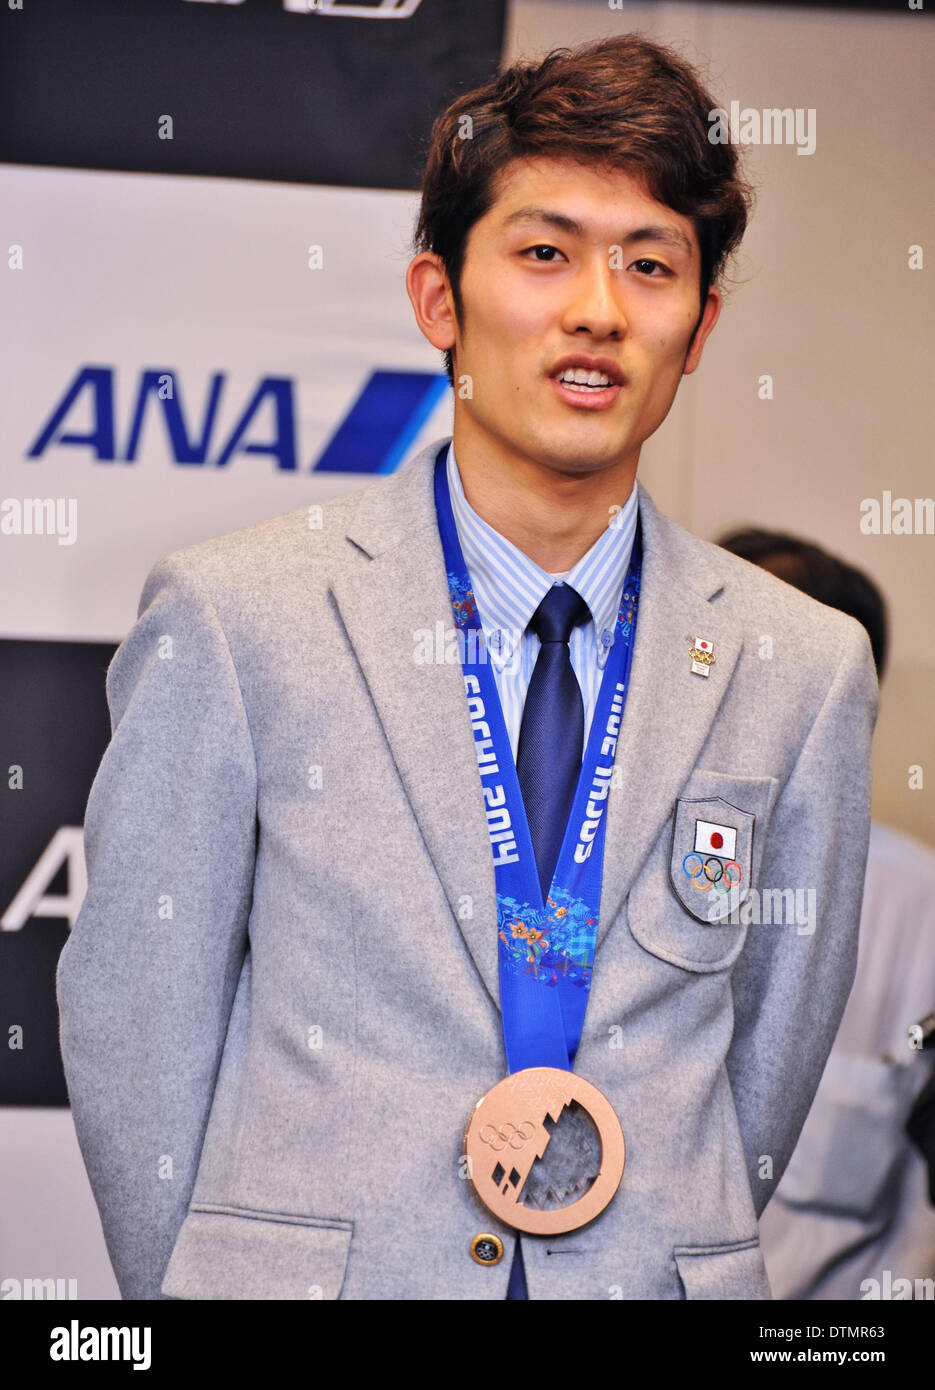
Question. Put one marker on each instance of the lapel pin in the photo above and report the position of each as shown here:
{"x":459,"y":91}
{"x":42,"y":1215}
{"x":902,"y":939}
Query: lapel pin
{"x":702,"y":655}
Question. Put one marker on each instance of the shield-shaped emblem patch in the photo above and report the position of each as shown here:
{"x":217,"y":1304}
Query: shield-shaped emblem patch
{"x":712,"y":854}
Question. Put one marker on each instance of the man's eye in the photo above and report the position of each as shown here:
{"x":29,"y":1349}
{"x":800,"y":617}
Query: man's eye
{"x":544,"y":252}
{"x":653,"y":265}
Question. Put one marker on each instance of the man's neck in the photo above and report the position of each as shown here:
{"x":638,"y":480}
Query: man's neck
{"x":554,"y":518}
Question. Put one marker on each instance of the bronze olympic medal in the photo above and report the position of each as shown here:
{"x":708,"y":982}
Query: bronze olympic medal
{"x":514,"y":1172}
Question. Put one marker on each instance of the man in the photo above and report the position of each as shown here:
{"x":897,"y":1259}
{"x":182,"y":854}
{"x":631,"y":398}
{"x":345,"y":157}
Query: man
{"x":854,"y":1201}
{"x":332,"y":903}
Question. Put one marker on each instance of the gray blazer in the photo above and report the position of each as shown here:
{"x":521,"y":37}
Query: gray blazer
{"x":279,"y":1003}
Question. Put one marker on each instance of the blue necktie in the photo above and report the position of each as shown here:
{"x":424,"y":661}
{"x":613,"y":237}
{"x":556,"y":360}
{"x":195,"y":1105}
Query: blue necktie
{"x":551,"y":736}
{"x":548,"y":758}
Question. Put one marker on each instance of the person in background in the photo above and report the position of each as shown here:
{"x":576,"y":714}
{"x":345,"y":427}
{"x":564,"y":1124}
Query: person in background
{"x":853,"y":1202}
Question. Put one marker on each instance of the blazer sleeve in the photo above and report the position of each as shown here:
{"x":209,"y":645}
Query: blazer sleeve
{"x":146,"y":980}
{"x":790,"y":985}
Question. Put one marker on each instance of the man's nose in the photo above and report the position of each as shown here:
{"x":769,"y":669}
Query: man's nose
{"x":595,"y":302}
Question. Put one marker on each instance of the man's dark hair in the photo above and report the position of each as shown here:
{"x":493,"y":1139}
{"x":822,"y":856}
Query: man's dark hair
{"x":820,"y":575}
{"x":623,"y":103}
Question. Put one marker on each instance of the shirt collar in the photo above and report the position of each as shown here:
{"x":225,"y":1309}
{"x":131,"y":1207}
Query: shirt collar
{"x":509,"y":586}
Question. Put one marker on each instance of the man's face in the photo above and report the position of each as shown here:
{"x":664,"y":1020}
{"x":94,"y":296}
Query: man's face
{"x":574,"y":272}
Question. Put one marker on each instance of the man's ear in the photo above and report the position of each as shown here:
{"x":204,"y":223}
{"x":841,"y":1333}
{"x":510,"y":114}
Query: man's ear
{"x":432,"y":300}
{"x":709,"y":318}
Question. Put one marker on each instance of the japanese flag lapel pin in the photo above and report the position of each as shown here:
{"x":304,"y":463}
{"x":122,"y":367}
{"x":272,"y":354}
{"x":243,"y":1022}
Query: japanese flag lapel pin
{"x":702,"y":655}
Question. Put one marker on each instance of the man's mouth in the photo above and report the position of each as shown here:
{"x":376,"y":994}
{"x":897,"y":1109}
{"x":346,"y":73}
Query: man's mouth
{"x":578,"y":379}
{"x":588,"y":383}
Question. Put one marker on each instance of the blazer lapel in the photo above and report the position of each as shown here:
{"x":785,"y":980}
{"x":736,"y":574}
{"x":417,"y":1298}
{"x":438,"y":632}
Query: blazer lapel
{"x":401,"y":590}
{"x":385,"y":602}
{"x":669,"y":709}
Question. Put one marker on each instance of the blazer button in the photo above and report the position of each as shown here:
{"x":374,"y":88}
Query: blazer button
{"x":487,"y":1249}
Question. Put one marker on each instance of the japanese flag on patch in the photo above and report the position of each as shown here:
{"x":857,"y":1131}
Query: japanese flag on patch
{"x":702,"y":645}
{"x":715,"y":839}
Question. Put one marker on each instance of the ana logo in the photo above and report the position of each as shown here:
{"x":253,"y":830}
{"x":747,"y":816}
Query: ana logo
{"x":374,"y":436}
{"x":64,"y":850}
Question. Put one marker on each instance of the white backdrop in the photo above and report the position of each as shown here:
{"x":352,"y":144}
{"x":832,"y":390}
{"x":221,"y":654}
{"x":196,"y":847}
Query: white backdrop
{"x":135,"y":272}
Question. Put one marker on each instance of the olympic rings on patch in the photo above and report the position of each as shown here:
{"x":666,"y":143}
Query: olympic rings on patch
{"x":703,"y":876}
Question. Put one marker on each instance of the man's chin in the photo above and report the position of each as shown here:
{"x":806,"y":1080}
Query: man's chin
{"x":570,"y":449}
{"x":582,"y":456}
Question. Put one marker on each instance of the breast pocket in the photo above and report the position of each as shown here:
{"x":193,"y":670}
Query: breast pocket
{"x":687,"y":905}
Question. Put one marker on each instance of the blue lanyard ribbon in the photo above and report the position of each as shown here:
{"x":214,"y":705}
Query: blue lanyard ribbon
{"x":546,"y":949}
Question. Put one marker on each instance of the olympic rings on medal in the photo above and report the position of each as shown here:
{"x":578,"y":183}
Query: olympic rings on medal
{"x":498,"y":1138}
{"x":717,"y":881}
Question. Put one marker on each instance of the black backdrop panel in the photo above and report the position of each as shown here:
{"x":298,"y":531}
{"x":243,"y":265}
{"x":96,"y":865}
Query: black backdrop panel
{"x":254,"y":91}
{"x":900,"y":7}
{"x":54,"y":724}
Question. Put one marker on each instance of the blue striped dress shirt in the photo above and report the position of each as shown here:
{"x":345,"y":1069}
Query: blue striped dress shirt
{"x":509,"y":587}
